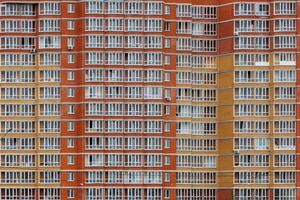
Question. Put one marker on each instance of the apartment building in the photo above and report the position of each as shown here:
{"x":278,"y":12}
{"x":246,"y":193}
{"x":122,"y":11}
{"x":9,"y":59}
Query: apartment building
{"x":149,"y":100}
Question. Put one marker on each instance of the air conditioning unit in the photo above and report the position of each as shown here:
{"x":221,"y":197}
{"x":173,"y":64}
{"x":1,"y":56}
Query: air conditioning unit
{"x":236,"y":151}
{"x":33,"y":50}
{"x":70,"y":47}
{"x":168,"y":98}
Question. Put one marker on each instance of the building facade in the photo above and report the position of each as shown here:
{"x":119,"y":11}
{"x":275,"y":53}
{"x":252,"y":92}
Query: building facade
{"x":149,"y":100}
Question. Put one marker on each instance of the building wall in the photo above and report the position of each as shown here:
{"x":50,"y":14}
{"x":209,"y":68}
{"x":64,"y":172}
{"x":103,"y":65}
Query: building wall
{"x":199,"y":130}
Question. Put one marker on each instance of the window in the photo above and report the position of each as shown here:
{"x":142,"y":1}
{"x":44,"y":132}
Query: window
{"x":204,"y":45}
{"x":115,"y":24}
{"x":202,"y":95}
{"x":49,"y":92}
{"x":70,"y":42}
{"x":183,"y":44}
{"x":52,"y":8}
{"x":134,"y":7}
{"x":243,"y":143}
{"x":284,"y":143}
{"x":201,"y":111}
{"x":197,"y":161}
{"x":153,"y":8}
{"x":167,"y":76}
{"x":70,"y":25}
{"x":14,"y":59}
{"x":250,"y":109}
{"x":17,"y":76}
{"x":288,"y":75}
{"x":167,"y":160}
{"x":71,"y":8}
{"x":94,"y":24}
{"x":49,"y":160}
{"x":70,"y":193}
{"x":256,"y":177}
{"x":70,"y":75}
{"x":14,"y":42}
{"x":284,"y":109}
{"x":18,"y":26}
{"x":70,"y":126}
{"x":49,"y":59}
{"x":116,"y":41}
{"x":167,"y":43}
{"x":18,"y":93}
{"x":70,"y":160}
{"x":201,"y":28}
{"x":94,"y":7}
{"x":49,"y":76}
{"x":251,"y":76}
{"x":281,"y":25}
{"x":287,"y":126}
{"x":70,"y":109}
{"x":167,"y":9}
{"x":49,"y":25}
{"x":70,"y":92}
{"x":70,"y":142}
{"x":167,"y":127}
{"x":285,"y":177}
{"x":70,"y":176}
{"x":251,"y":93}
{"x":205,"y":78}
{"x":167,"y":110}
{"x":47,"y":42}
{"x":167,"y":59}
{"x":249,"y":59}
{"x":284,"y":42}
{"x":18,"y":9}
{"x":153,"y":126}
{"x":152,"y":92}
{"x":285,"y":92}
{"x":49,"y":143}
{"x":167,"y":26}
{"x":167,"y":177}
{"x":115,"y":7}
{"x":94,"y":160}
{"x":133,"y":24}
{"x":245,"y":160}
{"x":167,"y":193}
{"x":50,"y":110}
{"x":284,"y":59}
{"x":204,"y":12}
{"x":244,"y":126}
{"x":71,"y":58}
{"x":284,"y":160}
{"x":285,"y":8}
{"x":17,"y":110}
{"x":95,"y":41}
{"x":246,"y":42}
{"x":199,"y":61}
{"x":196,"y":128}
{"x":260,"y":9}
{"x":288,"y":193}
{"x":167,"y":143}
{"x":183,"y":27}
{"x":49,"y":126}
{"x":183,"y":10}
{"x":49,"y":177}
{"x":153,"y":25}
{"x":250,"y":25}
{"x":247,"y":193}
